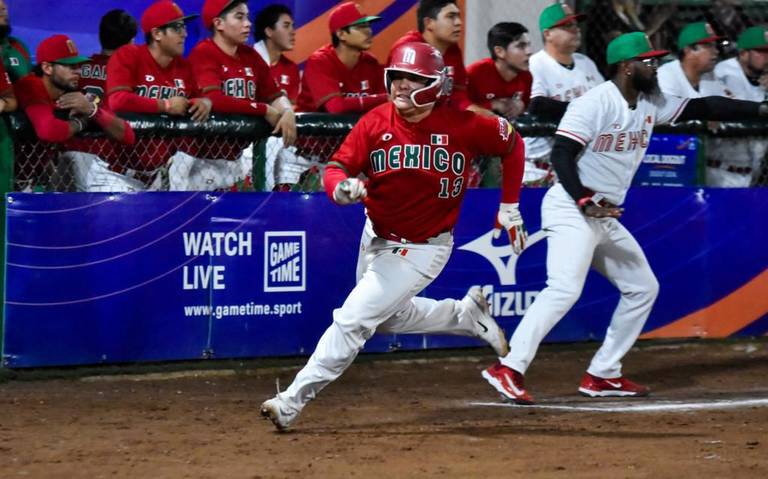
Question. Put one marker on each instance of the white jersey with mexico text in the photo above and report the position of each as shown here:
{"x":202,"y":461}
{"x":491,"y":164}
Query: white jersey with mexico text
{"x":615,"y":137}
{"x":553,"y":80}
{"x":672,"y":81}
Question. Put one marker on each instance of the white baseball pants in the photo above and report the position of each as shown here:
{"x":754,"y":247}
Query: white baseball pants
{"x":90,"y":173}
{"x":574,"y":243}
{"x":389,"y":275}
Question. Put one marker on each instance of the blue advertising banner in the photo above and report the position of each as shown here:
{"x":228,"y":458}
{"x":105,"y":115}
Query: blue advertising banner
{"x":100,"y":278}
{"x":671,"y":160}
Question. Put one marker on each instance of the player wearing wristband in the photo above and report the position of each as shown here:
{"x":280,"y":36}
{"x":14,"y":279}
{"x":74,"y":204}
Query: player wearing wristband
{"x":342,"y":77}
{"x":415,"y":155}
{"x":58,"y":110}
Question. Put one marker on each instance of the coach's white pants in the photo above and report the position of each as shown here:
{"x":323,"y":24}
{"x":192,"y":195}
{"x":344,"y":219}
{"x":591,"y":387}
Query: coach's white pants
{"x":383,"y":300}
{"x":575,"y":242}
{"x":188,"y":173}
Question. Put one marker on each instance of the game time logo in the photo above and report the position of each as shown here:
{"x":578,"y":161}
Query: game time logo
{"x":285,"y":261}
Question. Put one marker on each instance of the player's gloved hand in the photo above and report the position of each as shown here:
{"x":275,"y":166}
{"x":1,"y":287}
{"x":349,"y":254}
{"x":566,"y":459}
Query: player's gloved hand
{"x":510,"y":219}
{"x":349,"y":191}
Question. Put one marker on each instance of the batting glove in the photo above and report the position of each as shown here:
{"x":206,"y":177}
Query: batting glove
{"x":510,"y":219}
{"x":349,"y":191}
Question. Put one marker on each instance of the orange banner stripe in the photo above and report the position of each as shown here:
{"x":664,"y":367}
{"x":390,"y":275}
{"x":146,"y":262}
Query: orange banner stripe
{"x":383,"y":42}
{"x":723,"y":318}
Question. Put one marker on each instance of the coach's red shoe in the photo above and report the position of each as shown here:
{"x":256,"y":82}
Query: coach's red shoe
{"x":593,"y":386}
{"x":509,"y":383}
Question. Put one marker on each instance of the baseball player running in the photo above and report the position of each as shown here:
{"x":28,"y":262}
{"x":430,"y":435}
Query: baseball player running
{"x":599,"y":144}
{"x":415,"y":154}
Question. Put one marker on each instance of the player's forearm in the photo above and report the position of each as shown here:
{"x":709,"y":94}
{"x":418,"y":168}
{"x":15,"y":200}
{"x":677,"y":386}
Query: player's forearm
{"x":222,"y":103}
{"x":355,"y":104}
{"x":720,"y":108}
{"x":114,"y":127}
{"x":563,"y":158}
{"x":281,"y":104}
{"x":129,"y":102}
{"x":513,"y":165}
{"x":48,"y":128}
{"x":547,"y":108}
{"x":334,"y":174}
{"x":9,"y":102}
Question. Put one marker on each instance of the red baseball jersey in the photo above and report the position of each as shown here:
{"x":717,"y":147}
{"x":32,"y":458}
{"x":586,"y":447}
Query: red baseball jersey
{"x":132,"y":68}
{"x":5,"y":80}
{"x":486,"y":84}
{"x":243,"y":76}
{"x":325,"y":76}
{"x":93,"y":75}
{"x":287,"y":75}
{"x":454,"y":63}
{"x":417,"y":172}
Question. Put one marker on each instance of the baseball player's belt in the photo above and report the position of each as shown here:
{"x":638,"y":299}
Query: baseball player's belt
{"x":743,"y":170}
{"x":441,"y":238}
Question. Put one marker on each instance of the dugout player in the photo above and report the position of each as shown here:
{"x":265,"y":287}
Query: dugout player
{"x":275,"y":35}
{"x":607,"y":130}
{"x":439,"y":24}
{"x":116,"y":28}
{"x":746,"y":77}
{"x":560,"y":74}
{"x":58,"y":110}
{"x":502,"y":82}
{"x":343,"y":77}
{"x":416,"y":156}
{"x":8,"y":101}
{"x":15,"y":54}
{"x":154,"y":78}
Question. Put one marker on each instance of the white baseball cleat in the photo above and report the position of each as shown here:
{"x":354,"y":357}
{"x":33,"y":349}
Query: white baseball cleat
{"x":476,"y":306}
{"x":279,"y":412}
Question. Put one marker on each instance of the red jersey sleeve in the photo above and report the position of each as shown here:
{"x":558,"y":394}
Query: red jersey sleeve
{"x":205,"y":68}
{"x":38,"y":106}
{"x":475,"y":81}
{"x":267,"y":88}
{"x":496,"y":136}
{"x":320,"y":80}
{"x":459,"y":97}
{"x":120,"y":69}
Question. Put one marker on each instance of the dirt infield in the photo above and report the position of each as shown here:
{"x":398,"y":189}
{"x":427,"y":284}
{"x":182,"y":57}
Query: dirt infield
{"x":403,"y":416}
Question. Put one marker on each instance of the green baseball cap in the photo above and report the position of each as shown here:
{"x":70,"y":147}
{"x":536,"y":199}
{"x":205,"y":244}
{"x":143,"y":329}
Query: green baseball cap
{"x":558,"y":14}
{"x":695,"y":33}
{"x":631,"y":46}
{"x":753,"y":38}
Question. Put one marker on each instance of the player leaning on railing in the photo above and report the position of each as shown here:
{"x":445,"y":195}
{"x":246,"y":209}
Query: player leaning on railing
{"x":416,"y":156}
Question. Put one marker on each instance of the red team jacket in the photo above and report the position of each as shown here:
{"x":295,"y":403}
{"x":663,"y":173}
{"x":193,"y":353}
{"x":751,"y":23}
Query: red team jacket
{"x":417,"y":173}
{"x":287,"y":75}
{"x":93,"y":75}
{"x":486,"y":84}
{"x":326,"y":77}
{"x":454,"y":62}
{"x":135,"y":82}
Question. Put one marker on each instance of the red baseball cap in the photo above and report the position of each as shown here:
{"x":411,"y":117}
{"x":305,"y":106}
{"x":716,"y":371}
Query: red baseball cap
{"x":213,"y":8}
{"x":162,"y":13}
{"x":347,"y":14}
{"x":59,"y":49}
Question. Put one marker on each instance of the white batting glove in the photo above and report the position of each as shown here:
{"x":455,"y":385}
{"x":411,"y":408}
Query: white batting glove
{"x":349,"y":191}
{"x":510,"y":219}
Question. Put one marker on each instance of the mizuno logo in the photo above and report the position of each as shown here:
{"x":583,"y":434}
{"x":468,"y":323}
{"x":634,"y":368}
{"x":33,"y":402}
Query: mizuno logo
{"x":496,"y":255}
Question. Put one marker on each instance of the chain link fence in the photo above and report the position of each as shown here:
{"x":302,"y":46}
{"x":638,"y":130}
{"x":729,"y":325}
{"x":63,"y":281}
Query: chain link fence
{"x":237,"y":154}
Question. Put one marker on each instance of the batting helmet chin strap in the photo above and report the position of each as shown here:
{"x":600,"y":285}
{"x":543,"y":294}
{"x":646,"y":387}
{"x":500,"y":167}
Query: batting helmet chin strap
{"x":425,"y":96}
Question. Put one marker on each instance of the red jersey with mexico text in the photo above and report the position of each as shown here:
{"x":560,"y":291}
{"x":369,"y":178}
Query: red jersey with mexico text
{"x":93,"y":75}
{"x":325,"y":76}
{"x":132,"y":68}
{"x":417,"y":172}
{"x":486,"y":84}
{"x":454,"y":64}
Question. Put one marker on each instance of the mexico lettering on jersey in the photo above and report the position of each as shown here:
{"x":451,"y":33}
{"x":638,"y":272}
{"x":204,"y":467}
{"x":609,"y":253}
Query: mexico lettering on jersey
{"x":325,"y":76}
{"x":486,"y":84}
{"x":418,"y":172}
{"x":456,"y":87}
{"x":93,"y":75}
{"x":615,"y":137}
{"x":244,"y":75}
{"x":133,"y":68}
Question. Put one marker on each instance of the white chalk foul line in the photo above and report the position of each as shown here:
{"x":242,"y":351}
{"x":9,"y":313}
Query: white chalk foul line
{"x":653,"y":407}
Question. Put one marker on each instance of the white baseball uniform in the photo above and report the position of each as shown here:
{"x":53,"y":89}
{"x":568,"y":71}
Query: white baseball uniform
{"x":744,"y":153}
{"x":553,"y":80}
{"x":615,"y":139}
